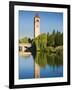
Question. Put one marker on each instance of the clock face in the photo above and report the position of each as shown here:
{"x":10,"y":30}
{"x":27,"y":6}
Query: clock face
{"x":37,"y":23}
{"x":37,"y":20}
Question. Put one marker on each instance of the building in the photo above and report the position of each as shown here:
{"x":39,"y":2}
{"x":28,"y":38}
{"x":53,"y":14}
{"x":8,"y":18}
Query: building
{"x":36,"y":25}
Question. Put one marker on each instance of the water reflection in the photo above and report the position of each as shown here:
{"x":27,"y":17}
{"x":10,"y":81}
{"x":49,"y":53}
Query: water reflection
{"x":49,"y":65}
{"x":40,"y":65}
{"x":53,"y":59}
{"x":37,"y":70}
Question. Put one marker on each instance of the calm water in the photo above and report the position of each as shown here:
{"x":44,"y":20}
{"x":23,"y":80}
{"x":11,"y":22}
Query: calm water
{"x":42,"y":65}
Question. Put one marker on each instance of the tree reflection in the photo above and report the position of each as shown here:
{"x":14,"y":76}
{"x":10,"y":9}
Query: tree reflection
{"x":42,"y":59}
{"x":53,"y":59}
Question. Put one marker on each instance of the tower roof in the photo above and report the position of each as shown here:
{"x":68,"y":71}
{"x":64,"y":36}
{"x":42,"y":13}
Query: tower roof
{"x":37,"y":15}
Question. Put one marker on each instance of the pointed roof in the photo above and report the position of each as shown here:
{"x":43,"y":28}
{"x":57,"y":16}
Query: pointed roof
{"x":37,"y":15}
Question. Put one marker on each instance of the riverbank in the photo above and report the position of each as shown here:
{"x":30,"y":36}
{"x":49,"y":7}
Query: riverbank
{"x":24,"y":53}
{"x":52,"y":50}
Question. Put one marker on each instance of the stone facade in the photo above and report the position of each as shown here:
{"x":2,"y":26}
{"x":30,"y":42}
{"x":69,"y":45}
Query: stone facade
{"x":36,"y":26}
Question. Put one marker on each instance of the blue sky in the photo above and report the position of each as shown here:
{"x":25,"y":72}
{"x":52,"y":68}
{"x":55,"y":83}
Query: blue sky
{"x":49,"y":21}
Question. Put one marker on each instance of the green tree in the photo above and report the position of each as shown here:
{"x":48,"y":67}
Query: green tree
{"x":59,"y":39}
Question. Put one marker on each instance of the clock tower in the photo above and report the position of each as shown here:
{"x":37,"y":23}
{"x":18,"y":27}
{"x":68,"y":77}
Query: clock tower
{"x":36,"y":25}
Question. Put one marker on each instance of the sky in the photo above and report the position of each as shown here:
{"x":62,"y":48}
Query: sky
{"x":49,"y":21}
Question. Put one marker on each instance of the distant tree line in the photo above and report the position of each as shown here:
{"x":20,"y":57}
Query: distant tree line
{"x":25,"y":40}
{"x":55,"y":39}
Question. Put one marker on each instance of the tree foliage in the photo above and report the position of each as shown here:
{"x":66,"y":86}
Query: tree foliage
{"x":25,"y":40}
{"x":55,"y":39}
{"x":44,"y":40}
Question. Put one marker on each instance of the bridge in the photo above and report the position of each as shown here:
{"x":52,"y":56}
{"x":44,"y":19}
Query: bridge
{"x":24,"y":46}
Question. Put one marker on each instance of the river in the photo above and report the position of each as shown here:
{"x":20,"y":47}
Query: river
{"x":42,"y":65}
